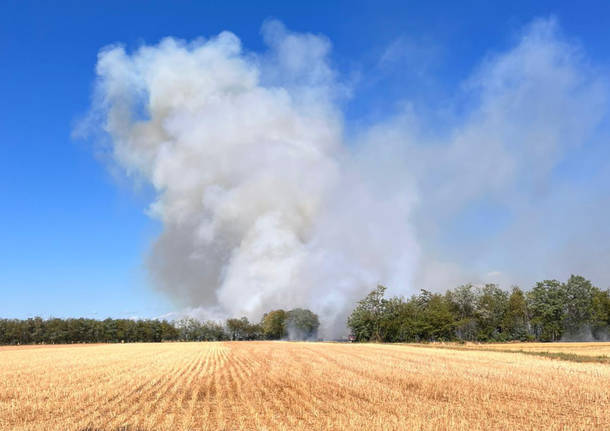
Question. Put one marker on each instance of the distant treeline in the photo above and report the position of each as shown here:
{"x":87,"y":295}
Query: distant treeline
{"x":294,"y":324}
{"x":551,"y":311}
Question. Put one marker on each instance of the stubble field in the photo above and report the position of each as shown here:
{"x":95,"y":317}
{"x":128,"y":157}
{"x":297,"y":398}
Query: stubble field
{"x":597,"y":349}
{"x":296,"y":386}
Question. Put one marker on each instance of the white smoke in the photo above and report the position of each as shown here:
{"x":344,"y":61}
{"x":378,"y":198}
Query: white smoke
{"x":537,"y":115}
{"x":263,"y":205}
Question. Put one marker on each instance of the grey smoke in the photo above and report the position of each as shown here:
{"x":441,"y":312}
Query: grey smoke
{"x":296,"y":334}
{"x":586,"y":334}
{"x":266,"y":204}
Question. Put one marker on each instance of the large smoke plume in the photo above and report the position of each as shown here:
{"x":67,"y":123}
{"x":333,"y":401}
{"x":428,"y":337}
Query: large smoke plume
{"x":265,"y":204}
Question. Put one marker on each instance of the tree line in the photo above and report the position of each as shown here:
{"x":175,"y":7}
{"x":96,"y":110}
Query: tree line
{"x":297,"y":324}
{"x":550,"y":311}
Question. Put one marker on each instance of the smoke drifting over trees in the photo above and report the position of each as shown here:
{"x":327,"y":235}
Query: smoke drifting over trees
{"x":266,"y":204}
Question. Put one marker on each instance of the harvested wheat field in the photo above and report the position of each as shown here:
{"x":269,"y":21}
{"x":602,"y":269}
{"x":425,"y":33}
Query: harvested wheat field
{"x":581,"y":349}
{"x":296,"y":386}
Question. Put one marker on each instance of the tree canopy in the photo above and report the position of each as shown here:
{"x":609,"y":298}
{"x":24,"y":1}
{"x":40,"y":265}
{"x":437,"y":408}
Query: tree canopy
{"x":551,"y":311}
{"x":295,"y":324}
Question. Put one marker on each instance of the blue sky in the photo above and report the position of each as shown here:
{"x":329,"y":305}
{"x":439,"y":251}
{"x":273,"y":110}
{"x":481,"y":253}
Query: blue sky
{"x":73,"y":238}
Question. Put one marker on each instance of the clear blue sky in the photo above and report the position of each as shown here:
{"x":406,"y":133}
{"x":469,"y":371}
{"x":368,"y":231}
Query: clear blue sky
{"x":72,"y":240}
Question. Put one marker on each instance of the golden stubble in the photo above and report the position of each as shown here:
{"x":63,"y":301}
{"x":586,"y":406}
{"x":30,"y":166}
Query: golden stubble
{"x":296,"y":386}
{"x":581,"y":349}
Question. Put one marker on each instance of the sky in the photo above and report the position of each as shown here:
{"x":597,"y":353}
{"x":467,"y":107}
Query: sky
{"x":498,"y":114}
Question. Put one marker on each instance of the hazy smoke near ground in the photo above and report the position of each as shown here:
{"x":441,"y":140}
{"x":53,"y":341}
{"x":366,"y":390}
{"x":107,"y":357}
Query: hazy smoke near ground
{"x":586,"y":334}
{"x":265,"y":205}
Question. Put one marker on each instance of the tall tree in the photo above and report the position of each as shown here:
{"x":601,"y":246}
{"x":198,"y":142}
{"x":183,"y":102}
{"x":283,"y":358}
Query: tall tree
{"x":365,"y":321}
{"x":578,"y":305}
{"x":491,"y":306}
{"x":437,"y":320}
{"x":274,"y":324}
{"x":463,"y":303}
{"x":238,"y":328}
{"x":601,"y":314}
{"x":546,"y":305}
{"x":516,"y":322}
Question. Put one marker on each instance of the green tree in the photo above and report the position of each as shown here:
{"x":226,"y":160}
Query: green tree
{"x":601,"y":314}
{"x":274,"y":325}
{"x":254,"y":331}
{"x":516,"y":320}
{"x":437,"y":322}
{"x":238,"y":328}
{"x":36,"y":330}
{"x":397,"y":322}
{"x":365,"y":321}
{"x":463,"y":302}
{"x":168,"y":331}
{"x":188,"y":329}
{"x":546,"y":305}
{"x":408,"y":318}
{"x":491,"y":307}
{"x":578,"y":295}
